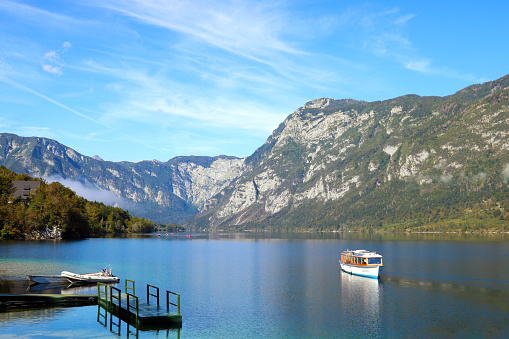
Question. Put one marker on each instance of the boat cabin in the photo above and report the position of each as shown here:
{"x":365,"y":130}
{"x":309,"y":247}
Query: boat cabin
{"x":361,"y":258}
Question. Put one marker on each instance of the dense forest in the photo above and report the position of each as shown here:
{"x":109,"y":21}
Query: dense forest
{"x":54,"y":210}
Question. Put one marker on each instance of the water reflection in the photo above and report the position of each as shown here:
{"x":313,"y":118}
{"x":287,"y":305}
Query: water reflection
{"x":121,"y":328}
{"x":493,"y":297}
{"x":361,"y":302}
{"x":22,"y":316}
{"x":24,"y":286}
{"x":360,"y":236}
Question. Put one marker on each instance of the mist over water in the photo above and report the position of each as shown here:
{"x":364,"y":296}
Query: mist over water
{"x":91,"y":192}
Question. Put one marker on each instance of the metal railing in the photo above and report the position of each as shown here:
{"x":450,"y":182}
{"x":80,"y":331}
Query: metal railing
{"x":136,"y":307}
{"x":113,"y":305}
{"x":100,"y":292}
{"x":117,"y":297}
{"x":151,"y":294}
{"x":127,"y":288}
{"x":102,"y":317}
{"x":168,"y":303}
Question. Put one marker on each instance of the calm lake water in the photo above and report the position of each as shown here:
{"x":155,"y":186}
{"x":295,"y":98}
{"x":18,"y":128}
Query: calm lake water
{"x":277,"y":286}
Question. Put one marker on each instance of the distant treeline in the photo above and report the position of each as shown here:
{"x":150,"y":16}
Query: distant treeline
{"x":55,"y":209}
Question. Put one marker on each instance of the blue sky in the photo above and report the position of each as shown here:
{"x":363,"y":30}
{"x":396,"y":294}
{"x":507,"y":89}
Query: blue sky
{"x":151,"y":79}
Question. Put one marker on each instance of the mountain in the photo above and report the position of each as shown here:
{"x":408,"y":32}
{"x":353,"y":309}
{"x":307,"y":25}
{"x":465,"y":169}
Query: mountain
{"x":402,"y":163}
{"x":420,"y":163}
{"x":160,"y":191}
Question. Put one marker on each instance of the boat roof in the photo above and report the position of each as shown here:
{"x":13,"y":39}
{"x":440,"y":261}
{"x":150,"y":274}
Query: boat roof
{"x":362,"y":253}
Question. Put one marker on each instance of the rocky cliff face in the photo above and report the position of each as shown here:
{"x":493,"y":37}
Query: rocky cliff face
{"x":331,"y":156}
{"x":196,"y":184}
{"x":163,"y":192}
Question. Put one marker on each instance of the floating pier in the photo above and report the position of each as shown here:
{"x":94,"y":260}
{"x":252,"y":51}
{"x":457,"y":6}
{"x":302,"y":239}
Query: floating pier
{"x":14,"y":301}
{"x":141,"y":313}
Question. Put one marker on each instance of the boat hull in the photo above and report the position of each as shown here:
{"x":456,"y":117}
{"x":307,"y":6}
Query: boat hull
{"x":363,"y":271}
{"x":47,"y":279}
{"x":89,"y":277}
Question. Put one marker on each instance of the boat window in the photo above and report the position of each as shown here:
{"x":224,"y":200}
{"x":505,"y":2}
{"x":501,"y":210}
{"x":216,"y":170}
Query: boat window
{"x":375,"y":261}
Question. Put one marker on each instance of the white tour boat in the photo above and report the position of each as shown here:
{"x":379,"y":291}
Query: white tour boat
{"x":361,"y":262}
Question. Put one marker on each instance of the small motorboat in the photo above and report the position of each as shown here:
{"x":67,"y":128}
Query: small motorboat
{"x":90,"y":277}
{"x":361,"y":262}
{"x":47,"y":279}
{"x":105,"y":276}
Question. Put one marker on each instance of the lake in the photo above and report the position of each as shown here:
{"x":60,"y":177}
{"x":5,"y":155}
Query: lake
{"x":244,"y":285}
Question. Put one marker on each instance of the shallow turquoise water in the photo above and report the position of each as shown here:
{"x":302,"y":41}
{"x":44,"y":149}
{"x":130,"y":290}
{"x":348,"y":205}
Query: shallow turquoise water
{"x":279,"y":286}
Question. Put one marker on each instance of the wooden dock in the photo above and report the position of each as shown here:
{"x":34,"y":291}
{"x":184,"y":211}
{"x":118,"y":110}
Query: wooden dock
{"x":21,"y":301}
{"x":140,"y":312}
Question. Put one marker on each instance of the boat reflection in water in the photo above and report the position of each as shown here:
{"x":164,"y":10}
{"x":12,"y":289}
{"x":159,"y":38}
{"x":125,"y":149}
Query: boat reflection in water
{"x":361,"y":299}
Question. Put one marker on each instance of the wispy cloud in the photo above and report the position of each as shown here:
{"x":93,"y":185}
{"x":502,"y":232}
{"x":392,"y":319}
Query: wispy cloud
{"x":148,"y":98}
{"x":385,"y":32}
{"x":32,"y":14}
{"x":386,"y":36}
{"x":227,"y":66}
{"x":14,"y":126}
{"x":52,"y":69}
{"x":67,"y":108}
{"x":401,"y":20}
{"x":419,"y":66}
{"x":249,"y":28}
{"x":53,"y":62}
{"x":44,"y":97}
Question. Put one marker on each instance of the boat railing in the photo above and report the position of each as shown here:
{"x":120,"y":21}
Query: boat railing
{"x":168,"y":301}
{"x":151,"y":294}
